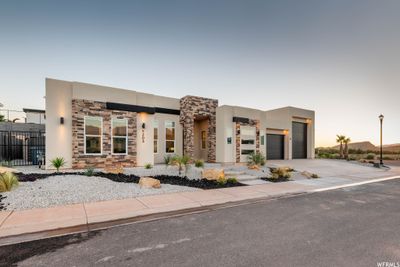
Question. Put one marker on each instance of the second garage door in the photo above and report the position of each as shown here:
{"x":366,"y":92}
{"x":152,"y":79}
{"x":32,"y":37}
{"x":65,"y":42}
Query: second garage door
{"x":275,"y":146}
{"x":299,"y":140}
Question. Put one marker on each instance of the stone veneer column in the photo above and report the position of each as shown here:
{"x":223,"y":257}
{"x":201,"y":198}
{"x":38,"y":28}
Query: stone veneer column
{"x":255,"y":123}
{"x":82,"y":108}
{"x":193,"y":107}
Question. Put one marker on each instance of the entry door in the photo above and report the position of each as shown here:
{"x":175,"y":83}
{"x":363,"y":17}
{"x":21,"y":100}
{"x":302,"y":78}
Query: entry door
{"x":299,"y":140}
{"x":275,"y":146}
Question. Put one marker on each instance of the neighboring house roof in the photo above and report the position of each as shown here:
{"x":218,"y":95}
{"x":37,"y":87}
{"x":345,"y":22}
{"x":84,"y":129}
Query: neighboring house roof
{"x":30,"y":110}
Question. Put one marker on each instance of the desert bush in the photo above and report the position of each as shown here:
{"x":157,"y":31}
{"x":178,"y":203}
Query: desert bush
{"x":89,"y":171}
{"x":58,"y":163}
{"x":199,"y":163}
{"x":148,"y":166}
{"x":370,"y":156}
{"x":256,"y":159}
{"x":314,"y":175}
{"x":232,"y":180}
{"x":222,"y":180}
{"x":8,"y":180}
{"x":277,"y":173}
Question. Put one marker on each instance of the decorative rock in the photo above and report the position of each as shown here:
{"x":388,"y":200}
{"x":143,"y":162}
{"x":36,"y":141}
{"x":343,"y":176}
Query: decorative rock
{"x":5,"y":169}
{"x":254,"y":167}
{"x":114,"y":169}
{"x":213,"y":174}
{"x":149,"y":182}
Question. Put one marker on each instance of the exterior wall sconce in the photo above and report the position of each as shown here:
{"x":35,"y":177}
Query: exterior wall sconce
{"x":143,"y":125}
{"x":61,"y":120}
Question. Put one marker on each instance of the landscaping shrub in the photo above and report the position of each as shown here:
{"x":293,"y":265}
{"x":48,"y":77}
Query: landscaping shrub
{"x":8,"y":180}
{"x":148,"y":166}
{"x":232,"y":180}
{"x":221,"y":180}
{"x":256,"y":159}
{"x":314,"y":175}
{"x":89,"y":171}
{"x":58,"y":163}
{"x":280,"y":173}
{"x":199,"y":163}
{"x":370,"y":156}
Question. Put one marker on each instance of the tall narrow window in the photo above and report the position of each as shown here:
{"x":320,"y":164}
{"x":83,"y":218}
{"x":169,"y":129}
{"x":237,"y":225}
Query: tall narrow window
{"x":93,"y":133}
{"x":203,"y":140}
{"x":170,"y":137}
{"x":119,"y":136}
{"x":155,"y":127}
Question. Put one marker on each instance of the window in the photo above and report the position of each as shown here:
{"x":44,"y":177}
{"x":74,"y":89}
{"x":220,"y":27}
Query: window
{"x":247,"y":151}
{"x":119,"y":136}
{"x":169,"y":137}
{"x":203,"y":140}
{"x":93,"y":133}
{"x":155,"y":133}
{"x":247,"y":141}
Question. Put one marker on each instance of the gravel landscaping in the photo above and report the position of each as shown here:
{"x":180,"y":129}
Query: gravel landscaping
{"x":70,"y":189}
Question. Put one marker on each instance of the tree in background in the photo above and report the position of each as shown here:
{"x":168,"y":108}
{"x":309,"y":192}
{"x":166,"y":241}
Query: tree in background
{"x":2,"y":118}
{"x":340,"y":139}
{"x":346,"y":142}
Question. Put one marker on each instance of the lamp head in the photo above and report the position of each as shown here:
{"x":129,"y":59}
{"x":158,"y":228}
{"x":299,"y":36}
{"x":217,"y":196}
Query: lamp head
{"x":381,"y":117}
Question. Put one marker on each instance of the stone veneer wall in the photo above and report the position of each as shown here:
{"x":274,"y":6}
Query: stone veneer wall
{"x":82,"y":108}
{"x":255,"y":123}
{"x":193,"y":107}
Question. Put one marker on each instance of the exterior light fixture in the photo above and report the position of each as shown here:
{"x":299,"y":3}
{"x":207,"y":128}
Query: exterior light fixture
{"x":143,"y":125}
{"x":381,"y":120}
{"x":61,"y":120}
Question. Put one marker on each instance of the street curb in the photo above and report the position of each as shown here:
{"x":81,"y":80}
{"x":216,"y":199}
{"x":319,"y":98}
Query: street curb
{"x":355,"y":184}
{"x":89,"y":227}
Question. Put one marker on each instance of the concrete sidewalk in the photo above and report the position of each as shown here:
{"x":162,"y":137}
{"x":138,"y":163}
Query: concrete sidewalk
{"x":18,"y":226}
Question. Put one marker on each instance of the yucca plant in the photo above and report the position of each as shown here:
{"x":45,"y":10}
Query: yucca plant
{"x":167,"y":160}
{"x":8,"y":180}
{"x":58,"y":163}
{"x":181,"y":161}
{"x":256,"y":159}
{"x":148,"y":166}
{"x":89,"y":171}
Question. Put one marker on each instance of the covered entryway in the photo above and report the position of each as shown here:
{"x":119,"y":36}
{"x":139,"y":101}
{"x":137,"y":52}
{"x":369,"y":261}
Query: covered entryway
{"x":299,"y":140}
{"x":275,"y":146}
{"x":200,"y":139}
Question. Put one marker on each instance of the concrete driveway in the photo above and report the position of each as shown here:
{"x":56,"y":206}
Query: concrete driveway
{"x":334,"y":168}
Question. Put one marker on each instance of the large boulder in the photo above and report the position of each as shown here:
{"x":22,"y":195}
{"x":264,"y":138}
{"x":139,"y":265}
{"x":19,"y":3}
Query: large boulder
{"x":114,"y":169}
{"x":6,"y":169}
{"x":213,"y":174}
{"x":148,"y":182}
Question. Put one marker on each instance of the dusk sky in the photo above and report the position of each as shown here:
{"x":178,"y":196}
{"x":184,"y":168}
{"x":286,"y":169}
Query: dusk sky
{"x":339,"y":58}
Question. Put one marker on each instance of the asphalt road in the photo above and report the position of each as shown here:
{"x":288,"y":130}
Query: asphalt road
{"x":357,"y":226}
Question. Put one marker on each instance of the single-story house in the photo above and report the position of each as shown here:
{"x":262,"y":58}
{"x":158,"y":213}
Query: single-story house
{"x":97,"y":126}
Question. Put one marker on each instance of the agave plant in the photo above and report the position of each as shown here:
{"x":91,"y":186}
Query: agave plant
{"x":256,"y":159}
{"x":58,"y":163}
{"x":8,"y":180}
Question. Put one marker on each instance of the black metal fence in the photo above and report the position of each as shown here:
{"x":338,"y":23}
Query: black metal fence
{"x":19,"y":148}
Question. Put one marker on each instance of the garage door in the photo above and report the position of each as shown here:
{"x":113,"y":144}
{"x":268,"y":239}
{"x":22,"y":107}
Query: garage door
{"x":299,"y":140}
{"x":275,"y":146}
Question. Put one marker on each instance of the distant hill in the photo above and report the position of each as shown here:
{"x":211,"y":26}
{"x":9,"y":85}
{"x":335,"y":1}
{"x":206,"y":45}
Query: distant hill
{"x":392,"y":148}
{"x":366,"y":145}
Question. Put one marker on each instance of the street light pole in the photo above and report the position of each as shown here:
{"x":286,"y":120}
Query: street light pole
{"x":381,"y":120}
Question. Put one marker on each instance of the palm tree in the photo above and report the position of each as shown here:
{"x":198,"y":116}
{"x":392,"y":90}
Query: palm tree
{"x":346,"y":142}
{"x":340,"y":139}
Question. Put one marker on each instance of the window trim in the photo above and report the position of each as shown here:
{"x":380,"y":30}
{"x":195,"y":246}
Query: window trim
{"x":90,"y":135}
{"x":158,"y":135}
{"x":126,"y":137}
{"x":169,"y":140}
